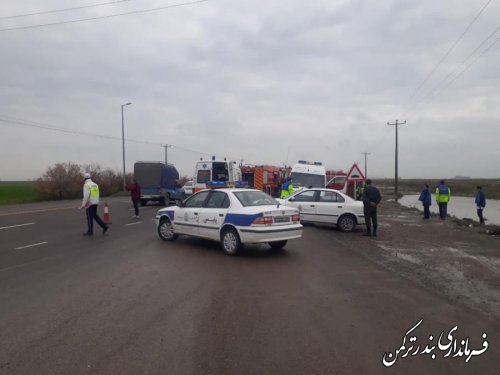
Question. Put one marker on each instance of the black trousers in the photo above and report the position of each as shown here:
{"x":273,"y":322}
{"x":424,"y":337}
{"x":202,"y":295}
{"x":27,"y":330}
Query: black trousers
{"x":443,"y":208}
{"x":91,"y":216}
{"x":135,"y":202}
{"x":480,"y":214}
{"x":371,"y":219}
{"x":427,"y":211}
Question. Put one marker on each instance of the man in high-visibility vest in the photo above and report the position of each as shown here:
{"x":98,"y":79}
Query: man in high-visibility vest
{"x":90,"y":202}
{"x":286,"y":188}
{"x":360,"y":189}
{"x":443,"y":194}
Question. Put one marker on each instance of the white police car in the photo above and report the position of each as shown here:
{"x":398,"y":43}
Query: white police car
{"x":232,"y":216}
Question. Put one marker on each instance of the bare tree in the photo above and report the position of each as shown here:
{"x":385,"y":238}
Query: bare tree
{"x":62,"y":181}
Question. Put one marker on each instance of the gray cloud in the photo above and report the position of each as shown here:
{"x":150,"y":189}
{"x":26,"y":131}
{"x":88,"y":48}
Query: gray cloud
{"x":267,"y":82}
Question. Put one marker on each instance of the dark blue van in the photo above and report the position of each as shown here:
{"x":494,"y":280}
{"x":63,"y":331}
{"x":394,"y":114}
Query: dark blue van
{"x":158,"y":182}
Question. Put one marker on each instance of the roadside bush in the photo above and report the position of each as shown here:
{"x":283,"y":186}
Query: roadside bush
{"x":62,"y":181}
{"x":108,"y":180}
{"x":65,"y":181}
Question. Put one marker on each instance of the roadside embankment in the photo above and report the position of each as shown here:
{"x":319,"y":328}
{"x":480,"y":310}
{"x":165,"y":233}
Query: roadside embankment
{"x":450,"y":257}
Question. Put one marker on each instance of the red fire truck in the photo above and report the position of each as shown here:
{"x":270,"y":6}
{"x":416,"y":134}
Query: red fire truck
{"x":346,"y":182}
{"x":267,"y":178}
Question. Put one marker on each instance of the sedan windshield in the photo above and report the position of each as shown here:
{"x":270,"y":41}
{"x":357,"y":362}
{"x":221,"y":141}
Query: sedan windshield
{"x":254,"y":198}
{"x":308,"y":180}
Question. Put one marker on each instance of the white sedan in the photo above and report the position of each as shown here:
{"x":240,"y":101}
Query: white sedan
{"x":188,"y":188}
{"x":232,"y":216}
{"x":327,"y":206}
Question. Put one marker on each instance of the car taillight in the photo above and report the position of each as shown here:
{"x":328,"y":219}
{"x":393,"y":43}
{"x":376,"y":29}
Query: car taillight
{"x":263,"y":220}
{"x":296,"y":218}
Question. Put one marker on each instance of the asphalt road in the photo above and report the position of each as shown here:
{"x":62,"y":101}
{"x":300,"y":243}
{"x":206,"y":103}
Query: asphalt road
{"x":128,"y":303}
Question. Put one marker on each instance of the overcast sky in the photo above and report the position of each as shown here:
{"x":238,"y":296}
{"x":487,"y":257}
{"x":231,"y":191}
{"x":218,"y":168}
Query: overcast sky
{"x":264,"y":81}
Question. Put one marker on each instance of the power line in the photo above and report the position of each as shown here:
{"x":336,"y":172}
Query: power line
{"x":468,"y":66}
{"x":67,"y":131}
{"x":62,"y":10}
{"x":451,"y":48}
{"x":104,"y":17}
{"x":33,"y":124}
{"x":443,"y":81}
{"x":442,"y":85}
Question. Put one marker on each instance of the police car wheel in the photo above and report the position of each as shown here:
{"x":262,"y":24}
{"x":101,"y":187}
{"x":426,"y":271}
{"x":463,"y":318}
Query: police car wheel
{"x":231,"y":243}
{"x":347,"y":223}
{"x":277,"y":245}
{"x":166,"y":230}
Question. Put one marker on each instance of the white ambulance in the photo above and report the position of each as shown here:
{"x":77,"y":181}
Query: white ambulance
{"x":215,"y":170}
{"x":308,"y":175}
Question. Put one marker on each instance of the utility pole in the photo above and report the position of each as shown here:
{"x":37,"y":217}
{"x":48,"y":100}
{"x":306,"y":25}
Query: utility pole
{"x":396,"y":159}
{"x":365,"y":153}
{"x":166,"y":152}
{"x":123,"y":149}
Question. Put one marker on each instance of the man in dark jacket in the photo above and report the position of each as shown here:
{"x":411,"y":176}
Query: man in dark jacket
{"x":371,"y":199}
{"x":426,"y":199}
{"x":135,"y":195}
{"x":480,"y":203}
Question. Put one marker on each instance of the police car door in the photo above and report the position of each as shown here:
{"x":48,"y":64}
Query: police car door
{"x":329,"y":207}
{"x":305,"y":202}
{"x":212,"y":214}
{"x":187,"y":220}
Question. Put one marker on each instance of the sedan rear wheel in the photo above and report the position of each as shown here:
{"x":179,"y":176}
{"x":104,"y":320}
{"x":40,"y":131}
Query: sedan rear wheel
{"x":277,"y":245}
{"x":166,"y":230}
{"x":347,"y":223}
{"x":231,"y":243}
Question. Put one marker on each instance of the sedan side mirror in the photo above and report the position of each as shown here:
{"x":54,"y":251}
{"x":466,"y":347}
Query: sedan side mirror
{"x":179,"y":203}
{"x":292,"y":199}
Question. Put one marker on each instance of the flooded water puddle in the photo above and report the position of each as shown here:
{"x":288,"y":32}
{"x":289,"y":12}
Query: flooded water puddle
{"x":460,"y":207}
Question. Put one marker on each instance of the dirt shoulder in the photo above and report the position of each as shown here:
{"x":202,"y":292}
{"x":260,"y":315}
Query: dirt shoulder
{"x":459,"y":262}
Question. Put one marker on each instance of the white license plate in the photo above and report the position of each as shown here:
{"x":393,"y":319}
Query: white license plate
{"x":282,"y":219}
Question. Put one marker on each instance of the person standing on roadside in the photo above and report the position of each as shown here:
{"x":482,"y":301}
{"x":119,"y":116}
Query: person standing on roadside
{"x":286,"y":188}
{"x":90,"y":202}
{"x":443,"y":194}
{"x":480,"y":203}
{"x":371,"y":199}
{"x":135,"y":195}
{"x":426,"y":199}
{"x":362,"y":187}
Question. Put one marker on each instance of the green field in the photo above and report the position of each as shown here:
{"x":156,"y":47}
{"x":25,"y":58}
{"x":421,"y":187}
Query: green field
{"x":17,"y":192}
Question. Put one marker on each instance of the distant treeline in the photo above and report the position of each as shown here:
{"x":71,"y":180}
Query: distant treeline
{"x":64,"y":181}
{"x":459,"y":187}
{"x":61,"y":181}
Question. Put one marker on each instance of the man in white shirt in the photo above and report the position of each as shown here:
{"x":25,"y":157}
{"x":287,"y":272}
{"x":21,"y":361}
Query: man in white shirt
{"x":90,"y":202}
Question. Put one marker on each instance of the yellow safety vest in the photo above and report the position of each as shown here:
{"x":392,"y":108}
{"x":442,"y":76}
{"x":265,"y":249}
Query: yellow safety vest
{"x":94,"y":190}
{"x":443,"y":194}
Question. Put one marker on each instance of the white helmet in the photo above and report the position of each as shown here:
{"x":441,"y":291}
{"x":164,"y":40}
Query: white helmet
{"x":86,"y":176}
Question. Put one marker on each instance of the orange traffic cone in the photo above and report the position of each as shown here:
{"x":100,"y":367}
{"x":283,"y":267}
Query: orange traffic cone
{"x":107,"y":215}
